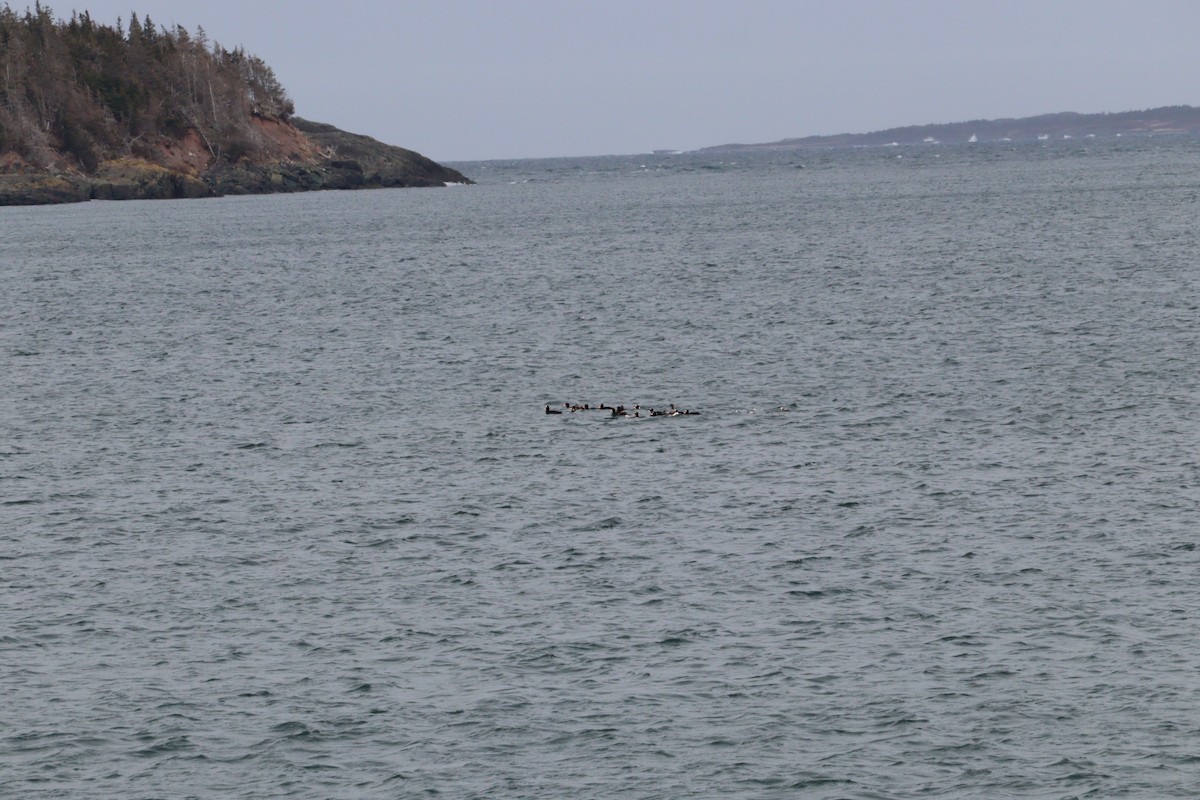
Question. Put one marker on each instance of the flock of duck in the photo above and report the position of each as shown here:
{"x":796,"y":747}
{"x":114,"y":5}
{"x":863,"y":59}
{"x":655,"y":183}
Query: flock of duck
{"x":615,"y":412}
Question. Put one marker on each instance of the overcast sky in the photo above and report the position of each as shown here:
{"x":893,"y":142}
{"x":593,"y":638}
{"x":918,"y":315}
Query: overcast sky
{"x":476,"y":79}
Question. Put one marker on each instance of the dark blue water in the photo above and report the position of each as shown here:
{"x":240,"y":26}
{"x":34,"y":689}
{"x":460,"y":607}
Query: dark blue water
{"x":281,"y":514}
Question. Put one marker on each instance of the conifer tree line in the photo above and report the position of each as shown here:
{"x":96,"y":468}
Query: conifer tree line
{"x":75,"y":92}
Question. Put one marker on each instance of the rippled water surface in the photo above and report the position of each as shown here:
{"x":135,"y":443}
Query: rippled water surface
{"x":281,"y":514}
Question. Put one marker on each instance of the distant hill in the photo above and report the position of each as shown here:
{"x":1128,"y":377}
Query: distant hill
{"x":1166,"y":120}
{"x":90,"y":111}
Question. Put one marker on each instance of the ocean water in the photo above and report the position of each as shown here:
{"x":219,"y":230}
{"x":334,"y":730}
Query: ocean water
{"x":281,"y":513}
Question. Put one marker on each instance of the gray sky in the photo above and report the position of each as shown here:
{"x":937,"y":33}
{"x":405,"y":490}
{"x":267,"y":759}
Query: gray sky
{"x":469,"y":79}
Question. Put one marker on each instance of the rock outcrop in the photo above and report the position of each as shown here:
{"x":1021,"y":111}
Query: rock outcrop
{"x":315,"y":157}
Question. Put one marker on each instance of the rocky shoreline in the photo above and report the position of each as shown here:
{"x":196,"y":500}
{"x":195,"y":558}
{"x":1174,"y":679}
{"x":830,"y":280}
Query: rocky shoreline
{"x":330,"y":159}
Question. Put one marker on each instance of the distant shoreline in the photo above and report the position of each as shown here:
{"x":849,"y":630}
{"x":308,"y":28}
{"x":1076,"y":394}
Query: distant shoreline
{"x":1172,"y":120}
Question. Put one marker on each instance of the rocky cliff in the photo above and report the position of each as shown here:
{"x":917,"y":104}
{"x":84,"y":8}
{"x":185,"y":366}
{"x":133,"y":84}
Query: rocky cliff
{"x":324,"y":158}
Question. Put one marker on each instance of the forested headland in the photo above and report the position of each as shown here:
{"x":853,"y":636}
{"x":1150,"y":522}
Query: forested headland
{"x":89,"y":110}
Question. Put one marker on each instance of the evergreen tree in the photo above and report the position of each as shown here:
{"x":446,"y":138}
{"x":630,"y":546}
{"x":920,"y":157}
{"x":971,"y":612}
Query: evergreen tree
{"x":73,"y":93}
